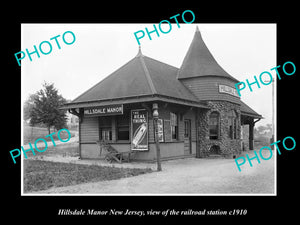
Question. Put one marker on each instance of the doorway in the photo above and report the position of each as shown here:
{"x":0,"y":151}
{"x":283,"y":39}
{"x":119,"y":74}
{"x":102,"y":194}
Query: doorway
{"x":187,"y":137}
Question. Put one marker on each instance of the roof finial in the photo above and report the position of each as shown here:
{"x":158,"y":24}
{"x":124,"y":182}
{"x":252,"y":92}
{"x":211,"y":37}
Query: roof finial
{"x":139,"y":52}
{"x":197,"y":29}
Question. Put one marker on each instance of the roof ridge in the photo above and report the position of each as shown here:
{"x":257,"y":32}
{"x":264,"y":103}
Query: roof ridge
{"x":149,"y":79}
{"x":160,"y":62}
{"x":139,"y":52}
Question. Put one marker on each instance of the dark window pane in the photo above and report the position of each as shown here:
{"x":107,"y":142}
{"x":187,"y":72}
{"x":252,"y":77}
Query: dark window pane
{"x":105,"y":121}
{"x":123,"y":127}
{"x":123,"y":133}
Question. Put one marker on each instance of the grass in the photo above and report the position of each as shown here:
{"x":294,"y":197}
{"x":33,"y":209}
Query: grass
{"x":42,"y":175}
{"x":30,"y":134}
{"x":65,"y":149}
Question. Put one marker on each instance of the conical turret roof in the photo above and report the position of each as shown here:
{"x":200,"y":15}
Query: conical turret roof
{"x":200,"y":62}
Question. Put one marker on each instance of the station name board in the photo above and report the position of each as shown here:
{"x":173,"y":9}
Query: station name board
{"x":228,"y":90}
{"x":104,"y":110}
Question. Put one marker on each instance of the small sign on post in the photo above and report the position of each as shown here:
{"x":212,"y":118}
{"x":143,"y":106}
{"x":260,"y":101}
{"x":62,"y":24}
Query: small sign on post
{"x":160,"y":130}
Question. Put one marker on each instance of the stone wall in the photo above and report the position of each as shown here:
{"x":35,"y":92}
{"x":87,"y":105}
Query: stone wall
{"x":228,"y":147}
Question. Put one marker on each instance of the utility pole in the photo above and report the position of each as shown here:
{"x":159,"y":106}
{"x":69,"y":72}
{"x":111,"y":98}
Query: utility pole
{"x":273,"y":112}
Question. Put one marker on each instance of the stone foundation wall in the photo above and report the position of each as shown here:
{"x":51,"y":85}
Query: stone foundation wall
{"x":228,"y":147}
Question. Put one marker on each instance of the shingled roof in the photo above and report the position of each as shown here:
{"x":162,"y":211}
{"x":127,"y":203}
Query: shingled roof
{"x":200,"y":62}
{"x":140,"y":77}
{"x":146,"y":79}
{"x":247,"y":111}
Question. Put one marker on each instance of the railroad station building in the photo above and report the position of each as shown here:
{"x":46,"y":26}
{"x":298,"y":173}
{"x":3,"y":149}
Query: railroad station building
{"x":200,"y":112}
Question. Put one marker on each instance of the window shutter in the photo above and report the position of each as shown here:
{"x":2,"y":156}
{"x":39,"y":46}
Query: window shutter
{"x":167,"y":129}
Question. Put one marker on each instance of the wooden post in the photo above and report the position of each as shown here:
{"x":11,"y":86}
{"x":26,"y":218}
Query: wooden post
{"x":155,"y":119}
{"x":157,"y":145}
{"x":198,"y":155}
{"x":251,"y":135}
{"x":80,"y":116}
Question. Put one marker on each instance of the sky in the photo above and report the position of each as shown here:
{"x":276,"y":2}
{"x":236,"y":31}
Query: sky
{"x":243,"y":50}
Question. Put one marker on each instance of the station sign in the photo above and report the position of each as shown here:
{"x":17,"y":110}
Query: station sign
{"x":228,"y":90}
{"x":104,"y":110}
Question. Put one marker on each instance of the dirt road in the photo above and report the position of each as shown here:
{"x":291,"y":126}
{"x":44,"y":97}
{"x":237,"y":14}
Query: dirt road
{"x":187,"y":176}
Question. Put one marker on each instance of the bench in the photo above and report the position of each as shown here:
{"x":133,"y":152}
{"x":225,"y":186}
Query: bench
{"x":112,"y":154}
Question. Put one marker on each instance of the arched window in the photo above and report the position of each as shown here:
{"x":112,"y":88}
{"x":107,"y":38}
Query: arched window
{"x":214,"y":125}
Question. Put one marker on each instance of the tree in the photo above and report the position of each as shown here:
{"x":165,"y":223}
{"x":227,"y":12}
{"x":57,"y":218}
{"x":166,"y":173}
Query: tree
{"x":261,"y":129}
{"x":28,"y":106}
{"x":45,"y":108}
{"x":269,"y":126}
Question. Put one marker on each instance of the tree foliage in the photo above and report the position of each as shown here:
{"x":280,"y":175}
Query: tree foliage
{"x":43,"y":108}
{"x":27,"y":107}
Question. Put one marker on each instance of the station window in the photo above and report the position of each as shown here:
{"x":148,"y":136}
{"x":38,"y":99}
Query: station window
{"x":214,"y":125}
{"x":105,"y":128}
{"x":123,"y":127}
{"x":106,"y":134}
{"x":174,"y":126}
